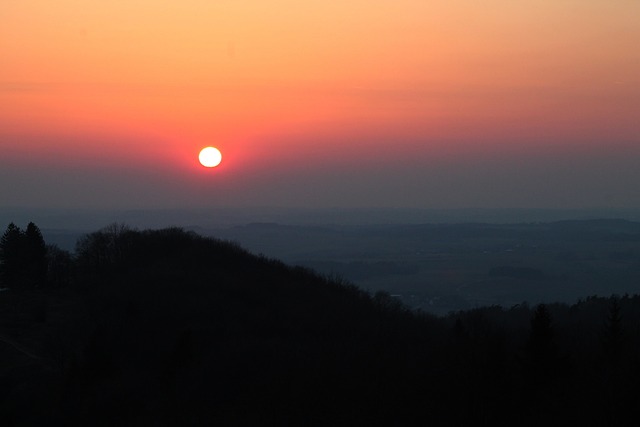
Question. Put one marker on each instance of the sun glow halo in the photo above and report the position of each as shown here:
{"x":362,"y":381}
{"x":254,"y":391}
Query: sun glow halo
{"x":210,"y":157}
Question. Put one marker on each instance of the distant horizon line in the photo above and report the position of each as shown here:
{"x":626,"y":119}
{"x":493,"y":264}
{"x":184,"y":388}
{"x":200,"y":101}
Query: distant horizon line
{"x":315,"y":208}
{"x":88,"y":219}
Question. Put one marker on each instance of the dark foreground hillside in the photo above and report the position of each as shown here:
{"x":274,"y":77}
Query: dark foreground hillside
{"x":168,"y":328}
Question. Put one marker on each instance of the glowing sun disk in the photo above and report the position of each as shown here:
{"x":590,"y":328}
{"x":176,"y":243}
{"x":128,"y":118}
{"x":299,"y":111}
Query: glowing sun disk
{"x":210,"y":157}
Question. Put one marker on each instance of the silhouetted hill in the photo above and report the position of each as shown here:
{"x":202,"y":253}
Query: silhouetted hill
{"x":167,"y":327}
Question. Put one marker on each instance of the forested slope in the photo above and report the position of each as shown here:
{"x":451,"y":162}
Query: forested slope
{"x":166,"y":327}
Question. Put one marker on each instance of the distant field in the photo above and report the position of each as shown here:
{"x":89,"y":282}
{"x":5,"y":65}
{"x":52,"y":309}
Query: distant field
{"x":439,"y":268}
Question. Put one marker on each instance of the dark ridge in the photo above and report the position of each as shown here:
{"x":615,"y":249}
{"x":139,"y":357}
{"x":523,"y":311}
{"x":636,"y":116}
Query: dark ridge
{"x":167,"y":327}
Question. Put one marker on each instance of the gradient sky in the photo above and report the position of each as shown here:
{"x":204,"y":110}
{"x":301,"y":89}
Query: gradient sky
{"x":376,"y":103}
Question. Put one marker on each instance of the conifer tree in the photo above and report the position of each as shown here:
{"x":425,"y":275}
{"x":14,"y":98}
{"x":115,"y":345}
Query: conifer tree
{"x":23,"y":257}
{"x":11,"y":255}
{"x":35,"y":256}
{"x":612,"y":341}
{"x":542,"y":361}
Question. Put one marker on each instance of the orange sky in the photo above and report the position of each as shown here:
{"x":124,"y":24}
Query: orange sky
{"x":315,"y":92}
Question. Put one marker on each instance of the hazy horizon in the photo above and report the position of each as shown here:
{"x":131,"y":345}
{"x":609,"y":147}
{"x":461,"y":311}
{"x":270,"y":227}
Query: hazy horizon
{"x":391,"y":104}
{"x":93,"y":219}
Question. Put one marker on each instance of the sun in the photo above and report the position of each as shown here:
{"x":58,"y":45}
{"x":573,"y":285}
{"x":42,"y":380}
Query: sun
{"x":210,"y":157}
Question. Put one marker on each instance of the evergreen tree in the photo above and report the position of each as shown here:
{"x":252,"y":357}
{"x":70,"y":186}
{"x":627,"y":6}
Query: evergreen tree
{"x":542,"y":361}
{"x":11,"y":255}
{"x":615,"y":386}
{"x":35,"y":253}
{"x":23,"y":257}
{"x":612,"y":340}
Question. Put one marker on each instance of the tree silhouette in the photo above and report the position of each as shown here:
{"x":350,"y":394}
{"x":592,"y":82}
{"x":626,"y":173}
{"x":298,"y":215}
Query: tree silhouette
{"x":612,"y":339}
{"x":541,"y":360}
{"x":35,"y":253}
{"x":11,"y":255}
{"x":104,"y":249}
{"x":616,"y":386}
{"x":23,"y":255}
{"x":59,"y":266}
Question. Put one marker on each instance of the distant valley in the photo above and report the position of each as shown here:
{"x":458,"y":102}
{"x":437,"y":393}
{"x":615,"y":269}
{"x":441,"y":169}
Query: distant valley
{"x":444,"y":267}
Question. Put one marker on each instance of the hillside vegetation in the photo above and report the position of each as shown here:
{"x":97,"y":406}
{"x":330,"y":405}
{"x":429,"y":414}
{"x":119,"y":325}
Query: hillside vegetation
{"x":167,"y":327}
